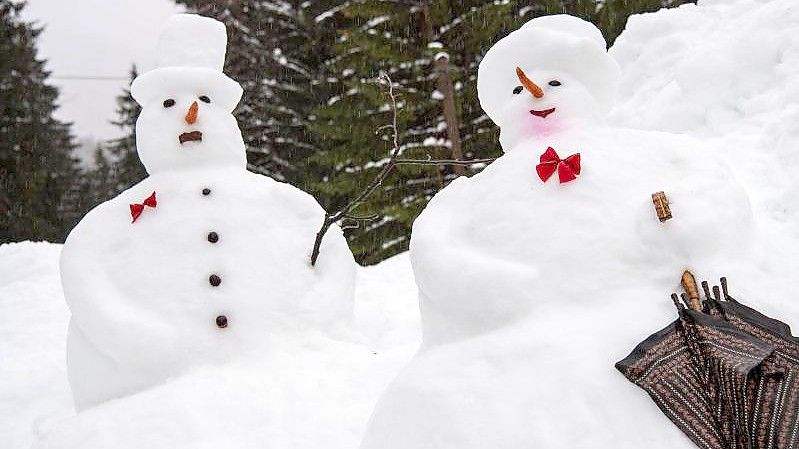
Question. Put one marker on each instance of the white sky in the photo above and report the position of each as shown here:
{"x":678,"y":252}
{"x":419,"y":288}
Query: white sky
{"x":96,"y":38}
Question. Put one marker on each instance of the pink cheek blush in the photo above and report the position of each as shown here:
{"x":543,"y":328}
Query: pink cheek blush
{"x":542,"y":127}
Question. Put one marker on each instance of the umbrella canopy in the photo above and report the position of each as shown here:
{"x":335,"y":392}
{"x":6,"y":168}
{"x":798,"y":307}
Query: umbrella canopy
{"x":725,"y":374}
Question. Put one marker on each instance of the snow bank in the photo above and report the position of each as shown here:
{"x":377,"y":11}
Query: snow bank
{"x":319,"y":394}
{"x":726,"y":70}
{"x":33,"y":329}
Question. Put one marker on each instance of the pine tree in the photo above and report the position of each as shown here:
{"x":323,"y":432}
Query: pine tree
{"x":37,"y":169}
{"x":101,"y":183}
{"x":123,"y":160}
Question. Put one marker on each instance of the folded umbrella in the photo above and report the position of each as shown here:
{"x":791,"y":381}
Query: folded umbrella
{"x":724,"y":373}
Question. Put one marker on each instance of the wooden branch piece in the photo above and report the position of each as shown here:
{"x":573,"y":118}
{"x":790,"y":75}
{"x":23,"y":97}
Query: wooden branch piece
{"x":662,"y":208}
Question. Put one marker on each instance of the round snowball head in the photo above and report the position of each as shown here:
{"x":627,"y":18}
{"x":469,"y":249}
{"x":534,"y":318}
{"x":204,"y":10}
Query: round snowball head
{"x":557,"y":45}
{"x":188,"y":129}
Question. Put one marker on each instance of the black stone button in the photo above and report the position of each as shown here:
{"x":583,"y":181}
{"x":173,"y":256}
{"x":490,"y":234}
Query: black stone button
{"x":213,"y":237}
{"x":221,"y":321}
{"x":206,"y":191}
{"x":214,"y":280}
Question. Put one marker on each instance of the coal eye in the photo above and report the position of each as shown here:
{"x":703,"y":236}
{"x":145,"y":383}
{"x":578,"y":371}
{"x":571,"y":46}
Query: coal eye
{"x":517,"y":90}
{"x":205,"y":99}
{"x":554,"y":83}
{"x":169,"y":103}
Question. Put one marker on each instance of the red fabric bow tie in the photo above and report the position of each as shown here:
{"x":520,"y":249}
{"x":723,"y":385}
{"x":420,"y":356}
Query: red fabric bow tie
{"x":568,"y":169}
{"x":136,"y":209}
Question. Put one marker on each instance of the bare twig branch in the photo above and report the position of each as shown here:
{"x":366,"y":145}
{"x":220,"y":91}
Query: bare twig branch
{"x":366,"y":218}
{"x":442,"y":161}
{"x":344,"y":212}
{"x":332,"y":218}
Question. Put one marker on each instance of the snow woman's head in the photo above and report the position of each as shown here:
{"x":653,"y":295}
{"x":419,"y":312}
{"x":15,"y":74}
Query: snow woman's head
{"x":551,"y":74}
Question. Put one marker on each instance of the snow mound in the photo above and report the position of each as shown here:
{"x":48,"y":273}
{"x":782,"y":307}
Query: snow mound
{"x":307,"y":390}
{"x":724,"y":70}
{"x":33,"y":329}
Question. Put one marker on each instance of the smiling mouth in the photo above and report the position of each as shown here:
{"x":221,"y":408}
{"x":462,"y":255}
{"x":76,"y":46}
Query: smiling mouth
{"x":191,"y":137}
{"x":543,"y":114}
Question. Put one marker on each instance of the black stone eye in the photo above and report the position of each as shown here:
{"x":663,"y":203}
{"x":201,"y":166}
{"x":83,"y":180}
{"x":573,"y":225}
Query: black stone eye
{"x":205,"y":99}
{"x":169,"y":103}
{"x":517,"y":90}
{"x":554,"y":83}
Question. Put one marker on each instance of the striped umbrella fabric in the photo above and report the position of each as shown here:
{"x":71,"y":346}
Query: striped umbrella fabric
{"x":726,"y":375}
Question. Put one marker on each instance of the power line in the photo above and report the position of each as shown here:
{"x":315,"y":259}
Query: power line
{"x":89,"y":78}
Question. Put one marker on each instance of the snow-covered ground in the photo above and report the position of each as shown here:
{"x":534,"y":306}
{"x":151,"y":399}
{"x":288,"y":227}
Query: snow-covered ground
{"x":33,"y":330}
{"x":325,"y":385}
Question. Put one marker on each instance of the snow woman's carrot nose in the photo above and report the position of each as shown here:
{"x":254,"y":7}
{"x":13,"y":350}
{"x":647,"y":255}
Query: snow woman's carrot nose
{"x":191,"y":116}
{"x":529,"y":84}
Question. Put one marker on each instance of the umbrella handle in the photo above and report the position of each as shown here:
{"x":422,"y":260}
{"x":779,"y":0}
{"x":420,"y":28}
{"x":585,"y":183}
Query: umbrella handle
{"x":688,"y":282}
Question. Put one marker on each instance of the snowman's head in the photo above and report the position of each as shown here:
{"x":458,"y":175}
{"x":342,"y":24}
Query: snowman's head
{"x":552,"y":75}
{"x":187,"y":103}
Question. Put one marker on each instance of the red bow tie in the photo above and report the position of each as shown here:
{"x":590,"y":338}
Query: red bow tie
{"x":136,"y":209}
{"x":568,"y":169}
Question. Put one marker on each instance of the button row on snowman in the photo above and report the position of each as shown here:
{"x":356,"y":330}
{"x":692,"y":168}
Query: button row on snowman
{"x":214,"y":279}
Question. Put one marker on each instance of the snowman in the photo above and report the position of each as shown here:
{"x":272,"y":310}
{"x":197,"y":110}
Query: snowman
{"x":202,"y":260}
{"x":539,"y":273}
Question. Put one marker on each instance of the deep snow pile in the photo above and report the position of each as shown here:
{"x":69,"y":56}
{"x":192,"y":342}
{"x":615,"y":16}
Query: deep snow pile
{"x":725,"y":70}
{"x":33,"y":330}
{"x":313,"y":381}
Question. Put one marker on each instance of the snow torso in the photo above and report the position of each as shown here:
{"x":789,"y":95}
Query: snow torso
{"x":551,"y":243}
{"x":140,"y":293}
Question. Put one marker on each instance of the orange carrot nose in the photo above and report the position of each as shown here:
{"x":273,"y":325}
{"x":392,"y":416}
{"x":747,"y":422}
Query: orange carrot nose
{"x":191,"y":116}
{"x":529,"y":84}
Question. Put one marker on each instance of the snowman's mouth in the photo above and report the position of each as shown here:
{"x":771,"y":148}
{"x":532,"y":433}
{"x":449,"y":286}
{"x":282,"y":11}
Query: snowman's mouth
{"x":543,"y":113}
{"x":191,"y":137}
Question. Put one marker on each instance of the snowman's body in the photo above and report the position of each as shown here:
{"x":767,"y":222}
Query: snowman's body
{"x":530,"y":291}
{"x":498,"y":244}
{"x":217,"y":264}
{"x":142,"y":304}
